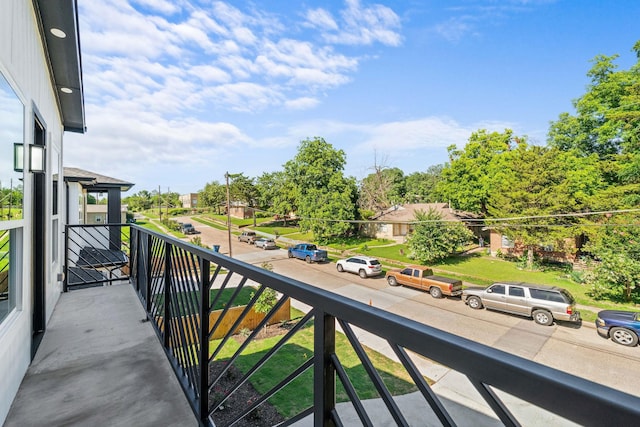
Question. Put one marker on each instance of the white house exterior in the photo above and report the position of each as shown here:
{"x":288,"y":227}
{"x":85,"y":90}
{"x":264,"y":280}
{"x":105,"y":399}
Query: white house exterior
{"x":40,"y":98}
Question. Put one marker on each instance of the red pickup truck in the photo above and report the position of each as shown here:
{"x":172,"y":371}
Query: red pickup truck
{"x":421,"y":277}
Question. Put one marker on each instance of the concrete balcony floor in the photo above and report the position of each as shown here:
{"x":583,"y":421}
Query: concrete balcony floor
{"x":99,"y":364}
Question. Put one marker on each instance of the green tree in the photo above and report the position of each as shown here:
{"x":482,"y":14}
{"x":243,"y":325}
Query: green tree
{"x":536,"y":186}
{"x":421,"y":187}
{"x":616,"y":244}
{"x":607,"y":115}
{"x":212,"y":195}
{"x":607,"y":119}
{"x":325,"y":198}
{"x":242,"y":189}
{"x":434,"y":239}
{"x":467,"y":181}
{"x":275,"y":193}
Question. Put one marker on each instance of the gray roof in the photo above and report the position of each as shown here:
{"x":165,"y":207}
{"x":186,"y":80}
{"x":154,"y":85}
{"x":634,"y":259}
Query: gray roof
{"x":94,"y":181}
{"x":64,"y":59}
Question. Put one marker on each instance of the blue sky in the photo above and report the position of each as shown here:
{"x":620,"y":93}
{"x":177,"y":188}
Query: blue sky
{"x":179,"y":92}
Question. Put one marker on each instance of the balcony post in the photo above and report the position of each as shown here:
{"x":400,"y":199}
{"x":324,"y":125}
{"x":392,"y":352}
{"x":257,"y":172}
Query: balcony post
{"x":148,"y":271}
{"x":324,"y":374}
{"x":205,"y":266}
{"x":65,"y":282}
{"x":167,"y":293}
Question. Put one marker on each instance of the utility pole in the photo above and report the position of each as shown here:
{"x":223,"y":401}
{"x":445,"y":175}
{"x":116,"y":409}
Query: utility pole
{"x":159,"y":203}
{"x":226,"y":175}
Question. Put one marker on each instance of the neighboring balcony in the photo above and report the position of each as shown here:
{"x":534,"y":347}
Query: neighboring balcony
{"x":313,"y":372}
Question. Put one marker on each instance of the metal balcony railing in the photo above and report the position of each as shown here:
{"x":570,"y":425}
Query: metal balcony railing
{"x":95,"y":254}
{"x":180,"y":284}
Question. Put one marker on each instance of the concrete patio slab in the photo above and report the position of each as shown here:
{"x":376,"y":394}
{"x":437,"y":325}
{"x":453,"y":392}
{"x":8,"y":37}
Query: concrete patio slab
{"x":100,"y":364}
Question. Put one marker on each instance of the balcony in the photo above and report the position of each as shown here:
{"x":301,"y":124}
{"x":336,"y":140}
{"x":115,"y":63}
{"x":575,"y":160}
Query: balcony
{"x":132,"y":353}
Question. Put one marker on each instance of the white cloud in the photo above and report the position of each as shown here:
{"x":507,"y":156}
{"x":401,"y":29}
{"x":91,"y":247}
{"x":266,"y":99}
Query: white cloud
{"x":455,"y":28}
{"x":360,"y":25}
{"x":303,"y":103}
{"x":163,"y":6}
{"x":321,"y":18}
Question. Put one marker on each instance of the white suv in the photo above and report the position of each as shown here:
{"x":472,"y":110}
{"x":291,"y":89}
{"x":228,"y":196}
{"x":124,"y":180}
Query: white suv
{"x":363,"y":266}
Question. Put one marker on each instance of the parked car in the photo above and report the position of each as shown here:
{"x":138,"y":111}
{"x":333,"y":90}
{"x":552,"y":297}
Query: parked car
{"x":363,"y":266}
{"x":265,"y":243}
{"x":543,"y":303}
{"x":421,"y":277}
{"x":248,"y":237}
{"x":187,"y":228}
{"x":623,"y":327}
{"x":308,"y":252}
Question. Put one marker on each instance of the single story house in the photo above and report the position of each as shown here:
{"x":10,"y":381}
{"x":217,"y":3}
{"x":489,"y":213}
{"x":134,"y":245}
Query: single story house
{"x":396,"y":222}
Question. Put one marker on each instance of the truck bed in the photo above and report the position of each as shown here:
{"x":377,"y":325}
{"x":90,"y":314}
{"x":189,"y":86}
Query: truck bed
{"x":443,"y":279}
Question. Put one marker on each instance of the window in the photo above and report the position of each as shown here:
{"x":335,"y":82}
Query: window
{"x":497,"y":289}
{"x":55,"y":171}
{"x":546,"y":295}
{"x":10,"y":268}
{"x":11,"y":133}
{"x":11,"y":197}
{"x":516,"y":292}
{"x":507,"y":242}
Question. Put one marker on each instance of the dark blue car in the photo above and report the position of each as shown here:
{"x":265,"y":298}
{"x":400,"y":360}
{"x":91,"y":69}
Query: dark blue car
{"x":623,"y":327}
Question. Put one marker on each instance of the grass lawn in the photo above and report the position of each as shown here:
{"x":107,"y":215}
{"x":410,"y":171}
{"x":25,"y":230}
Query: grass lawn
{"x":185,"y":305}
{"x":298,"y":395}
{"x":149,"y":225}
{"x":205,"y":221}
{"x":276,"y":230}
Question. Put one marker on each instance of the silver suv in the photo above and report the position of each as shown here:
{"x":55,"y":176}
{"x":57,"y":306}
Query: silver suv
{"x":543,"y":303}
{"x":248,"y":237}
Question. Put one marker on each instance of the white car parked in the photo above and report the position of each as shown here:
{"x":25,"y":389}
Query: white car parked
{"x":363,"y":266}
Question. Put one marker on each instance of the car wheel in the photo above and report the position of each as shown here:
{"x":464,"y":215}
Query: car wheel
{"x":362,"y":274}
{"x":623,"y":336}
{"x":475,"y":303}
{"x":435,"y":292}
{"x":339,"y":268}
{"x":392,"y":281}
{"x":264,"y":248}
{"x":308,"y":259}
{"x":542,"y":317}
{"x":290,"y":255}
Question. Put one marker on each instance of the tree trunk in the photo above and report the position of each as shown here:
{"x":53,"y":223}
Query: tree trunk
{"x":530,"y":258}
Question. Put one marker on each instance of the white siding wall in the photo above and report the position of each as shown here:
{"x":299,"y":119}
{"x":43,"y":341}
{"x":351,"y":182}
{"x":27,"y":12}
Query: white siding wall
{"x":22,"y":62}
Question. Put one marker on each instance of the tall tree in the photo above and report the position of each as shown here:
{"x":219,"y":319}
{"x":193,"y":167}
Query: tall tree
{"x":607,"y":118}
{"x":537,"y":185}
{"x":421,"y":187}
{"x":467,"y":181}
{"x":212,"y":195}
{"x":275,"y":193}
{"x":325,"y":198}
{"x":242,"y":189}
{"x":616,"y":244}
